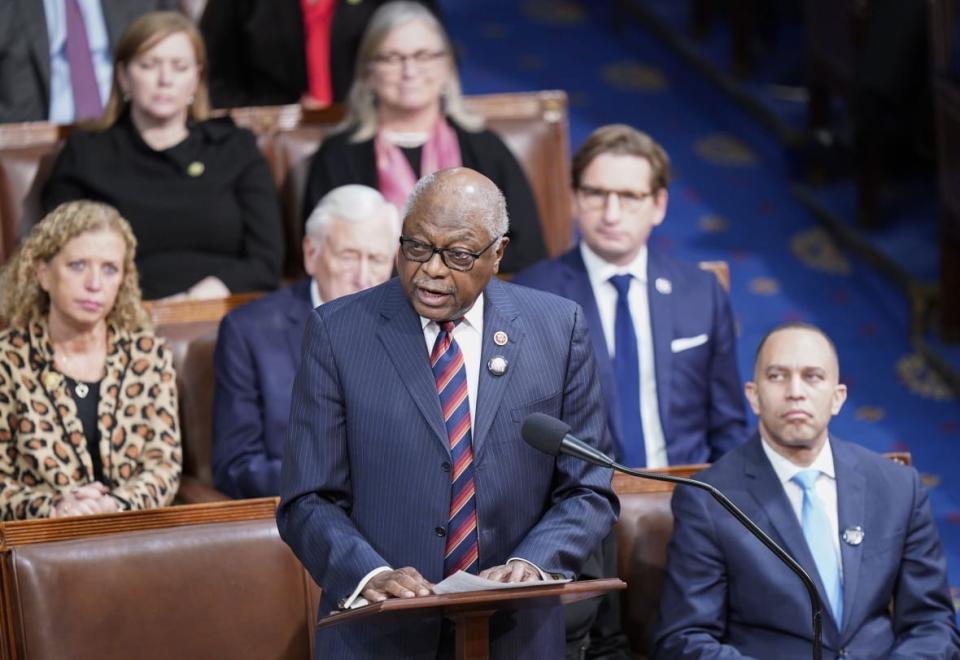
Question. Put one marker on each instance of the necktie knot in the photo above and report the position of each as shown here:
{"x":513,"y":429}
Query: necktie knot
{"x":448,"y":326}
{"x":622,"y":284}
{"x":806,"y":479}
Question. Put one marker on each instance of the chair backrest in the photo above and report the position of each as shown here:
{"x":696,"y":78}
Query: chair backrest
{"x":533,"y":124}
{"x":190,"y":327}
{"x":643,"y":532}
{"x":204,"y":581}
{"x":27,"y":152}
{"x":720,"y":269}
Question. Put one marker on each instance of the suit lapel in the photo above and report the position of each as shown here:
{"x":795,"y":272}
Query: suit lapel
{"x":578,"y":288}
{"x":402,"y":337}
{"x":661,"y":327}
{"x":766,"y":489}
{"x":35,"y":25}
{"x":851,"y":510}
{"x":499,"y":314}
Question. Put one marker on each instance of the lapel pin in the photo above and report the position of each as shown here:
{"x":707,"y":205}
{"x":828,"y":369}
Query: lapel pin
{"x":52,"y":380}
{"x":853,"y":535}
{"x":663,"y":285}
{"x":196,"y":168}
{"x":500,"y":338}
{"x":497,"y":365}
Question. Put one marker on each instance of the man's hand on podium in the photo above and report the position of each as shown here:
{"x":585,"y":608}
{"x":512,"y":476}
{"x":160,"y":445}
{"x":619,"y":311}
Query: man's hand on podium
{"x":403,"y":582}
{"x":515,"y":570}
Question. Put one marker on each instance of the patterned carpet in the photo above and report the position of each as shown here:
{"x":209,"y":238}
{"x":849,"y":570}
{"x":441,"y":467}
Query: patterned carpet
{"x":731,"y":200}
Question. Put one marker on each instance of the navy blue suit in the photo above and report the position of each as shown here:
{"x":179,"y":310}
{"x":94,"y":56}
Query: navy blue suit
{"x":366,"y":482}
{"x":698,"y":389}
{"x":257,"y":355}
{"x":728,"y":596}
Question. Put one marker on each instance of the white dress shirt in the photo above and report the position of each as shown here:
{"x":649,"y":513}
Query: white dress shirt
{"x":315,"y":298}
{"x":600,"y":271}
{"x":825,"y":487}
{"x":61,"y":93}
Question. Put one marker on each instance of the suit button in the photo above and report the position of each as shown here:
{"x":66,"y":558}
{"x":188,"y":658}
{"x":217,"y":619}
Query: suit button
{"x":440,"y":531}
{"x":445,"y":466}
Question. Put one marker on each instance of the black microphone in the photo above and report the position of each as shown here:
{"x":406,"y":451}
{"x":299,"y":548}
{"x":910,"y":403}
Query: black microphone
{"x":552,"y":436}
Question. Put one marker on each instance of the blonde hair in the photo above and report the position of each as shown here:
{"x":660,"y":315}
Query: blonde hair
{"x":21,"y":296}
{"x":142,"y":35}
{"x":361,"y":101}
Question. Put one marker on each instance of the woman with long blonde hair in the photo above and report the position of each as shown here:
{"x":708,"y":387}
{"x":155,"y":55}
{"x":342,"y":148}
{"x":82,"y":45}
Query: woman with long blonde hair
{"x":88,"y":401}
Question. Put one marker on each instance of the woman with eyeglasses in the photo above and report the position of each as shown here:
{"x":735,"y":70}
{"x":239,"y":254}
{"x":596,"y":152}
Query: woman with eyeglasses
{"x":406,"y":119}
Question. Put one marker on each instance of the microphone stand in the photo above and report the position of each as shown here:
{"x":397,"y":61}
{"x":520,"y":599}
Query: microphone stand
{"x":781,"y":554}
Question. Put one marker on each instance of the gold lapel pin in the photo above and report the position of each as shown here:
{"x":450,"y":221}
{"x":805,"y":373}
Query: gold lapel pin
{"x":196,"y":168}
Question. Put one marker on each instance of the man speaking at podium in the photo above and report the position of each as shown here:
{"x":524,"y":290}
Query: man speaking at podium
{"x":404,"y":460}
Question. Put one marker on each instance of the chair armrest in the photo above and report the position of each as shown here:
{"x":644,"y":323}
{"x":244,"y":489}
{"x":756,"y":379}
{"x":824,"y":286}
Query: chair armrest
{"x":192,"y":491}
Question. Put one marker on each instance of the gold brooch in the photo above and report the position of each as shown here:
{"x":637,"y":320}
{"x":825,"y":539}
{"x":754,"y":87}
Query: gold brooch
{"x":52,"y":380}
{"x":196,"y":168}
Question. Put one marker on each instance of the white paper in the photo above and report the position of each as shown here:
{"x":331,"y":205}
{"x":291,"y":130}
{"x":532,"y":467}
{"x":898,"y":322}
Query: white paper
{"x":462,"y":582}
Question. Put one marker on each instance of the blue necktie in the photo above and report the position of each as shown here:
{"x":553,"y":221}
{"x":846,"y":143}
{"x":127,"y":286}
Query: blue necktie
{"x":626,"y":367}
{"x":819,"y":534}
{"x":462,"y":549}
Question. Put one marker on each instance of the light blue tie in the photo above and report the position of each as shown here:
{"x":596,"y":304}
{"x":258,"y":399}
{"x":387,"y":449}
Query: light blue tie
{"x":819,"y":534}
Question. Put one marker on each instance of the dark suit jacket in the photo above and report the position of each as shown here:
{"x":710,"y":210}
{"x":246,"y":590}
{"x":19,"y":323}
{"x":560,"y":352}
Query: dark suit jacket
{"x":257,"y":49}
{"x":698,"y":388}
{"x":366,"y":482}
{"x":725,"y":594}
{"x":257,"y":355}
{"x":25,"y":51}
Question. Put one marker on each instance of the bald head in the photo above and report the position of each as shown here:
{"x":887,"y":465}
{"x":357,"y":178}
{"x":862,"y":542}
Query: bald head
{"x":462,"y":191}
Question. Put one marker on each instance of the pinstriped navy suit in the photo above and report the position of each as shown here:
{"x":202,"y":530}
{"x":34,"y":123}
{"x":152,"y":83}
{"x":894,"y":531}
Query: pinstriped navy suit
{"x":365,"y":479}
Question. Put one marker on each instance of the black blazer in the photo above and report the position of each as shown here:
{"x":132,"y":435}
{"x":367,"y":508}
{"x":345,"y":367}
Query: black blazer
{"x":257,"y":55}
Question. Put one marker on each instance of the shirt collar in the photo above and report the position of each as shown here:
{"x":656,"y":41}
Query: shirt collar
{"x":473,"y":317}
{"x":600,"y":270}
{"x":786,"y":470}
{"x":315,"y":298}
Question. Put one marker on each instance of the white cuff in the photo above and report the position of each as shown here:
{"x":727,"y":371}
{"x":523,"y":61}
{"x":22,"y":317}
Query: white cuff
{"x":543,"y":575}
{"x":355,"y":599}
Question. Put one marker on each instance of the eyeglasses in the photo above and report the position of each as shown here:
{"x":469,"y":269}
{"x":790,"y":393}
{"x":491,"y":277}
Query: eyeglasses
{"x":453,"y":258}
{"x":595,"y":199}
{"x":395,"y":60}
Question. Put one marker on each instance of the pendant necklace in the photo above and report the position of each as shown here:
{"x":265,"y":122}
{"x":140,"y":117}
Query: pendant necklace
{"x":81,"y":389}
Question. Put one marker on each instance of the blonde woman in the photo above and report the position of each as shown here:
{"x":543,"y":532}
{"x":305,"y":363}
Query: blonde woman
{"x":406,"y":119}
{"x":197,"y":191}
{"x":88,"y":402}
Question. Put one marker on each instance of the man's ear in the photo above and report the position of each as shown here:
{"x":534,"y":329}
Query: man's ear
{"x":750,"y":391}
{"x":838,"y":399}
{"x":504,"y":241}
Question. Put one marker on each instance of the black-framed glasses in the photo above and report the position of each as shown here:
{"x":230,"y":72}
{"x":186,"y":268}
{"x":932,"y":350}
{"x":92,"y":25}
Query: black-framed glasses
{"x":453,"y":258}
{"x":395,"y":60}
{"x":595,"y":199}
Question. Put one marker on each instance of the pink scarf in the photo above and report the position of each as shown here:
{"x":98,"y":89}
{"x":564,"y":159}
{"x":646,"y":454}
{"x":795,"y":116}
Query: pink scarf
{"x":396,"y":177}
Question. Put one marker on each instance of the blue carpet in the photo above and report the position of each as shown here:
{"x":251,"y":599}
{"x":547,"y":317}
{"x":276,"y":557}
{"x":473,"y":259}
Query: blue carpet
{"x":730,"y":200}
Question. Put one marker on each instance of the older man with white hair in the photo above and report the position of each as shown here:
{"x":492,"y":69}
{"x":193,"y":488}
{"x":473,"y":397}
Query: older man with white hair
{"x":350,"y":243}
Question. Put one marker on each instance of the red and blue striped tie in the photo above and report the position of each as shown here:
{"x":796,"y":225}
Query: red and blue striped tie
{"x":451,"y":376}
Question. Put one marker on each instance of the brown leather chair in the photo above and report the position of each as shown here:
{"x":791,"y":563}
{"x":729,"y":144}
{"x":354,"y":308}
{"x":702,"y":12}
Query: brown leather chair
{"x":203,"y":581}
{"x":643,"y":532}
{"x":533,"y":124}
{"x":191,"y":329}
{"x":27,"y":153}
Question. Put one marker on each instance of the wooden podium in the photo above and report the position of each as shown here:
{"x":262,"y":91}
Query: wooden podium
{"x":471,"y":611}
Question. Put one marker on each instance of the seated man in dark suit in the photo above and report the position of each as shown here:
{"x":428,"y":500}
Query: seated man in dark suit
{"x":662,"y":330}
{"x":858,"y":523}
{"x":350,"y":242}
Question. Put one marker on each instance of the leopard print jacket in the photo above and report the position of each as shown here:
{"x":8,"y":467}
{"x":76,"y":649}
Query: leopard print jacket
{"x":43,"y":452}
